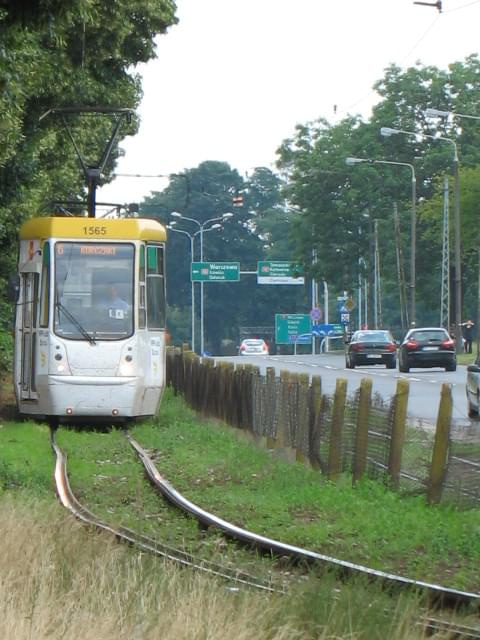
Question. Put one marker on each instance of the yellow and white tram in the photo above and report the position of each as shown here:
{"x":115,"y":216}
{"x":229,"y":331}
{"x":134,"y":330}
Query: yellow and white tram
{"x":90,"y":318}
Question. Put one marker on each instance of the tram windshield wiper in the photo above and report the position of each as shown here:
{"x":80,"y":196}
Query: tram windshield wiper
{"x":75,"y":322}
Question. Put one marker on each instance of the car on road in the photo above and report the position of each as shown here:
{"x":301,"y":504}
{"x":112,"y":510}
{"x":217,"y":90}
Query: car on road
{"x":253,"y":347}
{"x":371,"y":346}
{"x":426,"y":347}
{"x":473,"y":389}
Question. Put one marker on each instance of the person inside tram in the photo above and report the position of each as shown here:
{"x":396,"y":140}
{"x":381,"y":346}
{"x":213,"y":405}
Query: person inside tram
{"x":117,"y":307}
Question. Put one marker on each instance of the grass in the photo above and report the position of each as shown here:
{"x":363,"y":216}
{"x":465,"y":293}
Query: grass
{"x":60,"y":581}
{"x":212,"y":467}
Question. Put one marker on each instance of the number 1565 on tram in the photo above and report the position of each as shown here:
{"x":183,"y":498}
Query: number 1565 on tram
{"x":90,"y":319}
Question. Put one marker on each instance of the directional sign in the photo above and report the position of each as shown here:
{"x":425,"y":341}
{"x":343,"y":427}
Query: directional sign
{"x":215,"y":271}
{"x":292,"y":328}
{"x":327,"y":330}
{"x":279,"y":273}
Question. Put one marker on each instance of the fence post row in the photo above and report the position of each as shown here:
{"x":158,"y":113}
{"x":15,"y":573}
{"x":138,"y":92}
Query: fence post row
{"x":290,"y":414}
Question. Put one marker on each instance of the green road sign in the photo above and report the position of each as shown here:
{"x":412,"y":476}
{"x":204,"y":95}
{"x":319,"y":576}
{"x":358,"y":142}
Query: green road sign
{"x":292,"y":328}
{"x":279,"y":273}
{"x":215,"y":271}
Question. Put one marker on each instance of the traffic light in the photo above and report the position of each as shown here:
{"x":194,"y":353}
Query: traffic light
{"x":237,"y":200}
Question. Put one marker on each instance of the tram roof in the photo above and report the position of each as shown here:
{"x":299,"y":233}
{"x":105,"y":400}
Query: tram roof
{"x":93,"y":228}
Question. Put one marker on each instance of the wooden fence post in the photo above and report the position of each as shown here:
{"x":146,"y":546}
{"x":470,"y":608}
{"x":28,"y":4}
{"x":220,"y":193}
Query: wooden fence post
{"x":338,"y":416}
{"x":361,"y":435}
{"x":302,"y":435}
{"x":282,"y":426}
{"x":439,"y":463}
{"x":398,"y":432}
{"x":315,"y":417}
{"x":272,"y":400}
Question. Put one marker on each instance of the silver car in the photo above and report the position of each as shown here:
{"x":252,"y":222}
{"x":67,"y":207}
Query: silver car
{"x":253,"y":347}
{"x":473,"y":389}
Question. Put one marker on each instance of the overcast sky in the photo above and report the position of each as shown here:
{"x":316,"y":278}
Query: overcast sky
{"x":234,"y":77}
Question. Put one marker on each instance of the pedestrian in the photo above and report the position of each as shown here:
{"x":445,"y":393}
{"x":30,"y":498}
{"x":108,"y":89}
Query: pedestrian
{"x":467,"y":333}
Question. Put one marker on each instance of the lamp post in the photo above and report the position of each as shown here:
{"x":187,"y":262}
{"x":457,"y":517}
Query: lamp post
{"x":201,"y":230}
{"x":444,"y":114}
{"x":388,"y":131}
{"x":191,"y":238}
{"x":413,"y":223}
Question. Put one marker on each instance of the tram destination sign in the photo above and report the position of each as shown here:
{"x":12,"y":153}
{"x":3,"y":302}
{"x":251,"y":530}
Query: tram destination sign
{"x":278,"y":272}
{"x":215,"y":271}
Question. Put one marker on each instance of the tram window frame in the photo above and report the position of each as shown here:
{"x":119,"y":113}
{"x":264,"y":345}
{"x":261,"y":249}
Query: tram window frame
{"x":45,"y":286}
{"x":142,"y":312}
{"x":156,"y":299}
{"x":30,"y":299}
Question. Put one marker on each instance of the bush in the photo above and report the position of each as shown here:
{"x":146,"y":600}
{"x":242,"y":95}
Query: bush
{"x":6,"y":352}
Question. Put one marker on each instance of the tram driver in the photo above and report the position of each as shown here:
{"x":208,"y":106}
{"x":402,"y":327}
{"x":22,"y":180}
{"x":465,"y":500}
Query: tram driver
{"x":117,"y":307}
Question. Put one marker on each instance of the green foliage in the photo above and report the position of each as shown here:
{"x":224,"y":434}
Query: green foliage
{"x":337,"y":204}
{"x":258,"y":229}
{"x":64,"y":54}
{"x":6,"y":352}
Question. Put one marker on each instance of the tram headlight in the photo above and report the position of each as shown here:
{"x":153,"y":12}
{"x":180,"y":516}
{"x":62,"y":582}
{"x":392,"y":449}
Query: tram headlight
{"x":126,"y":367}
{"x":58,"y":360}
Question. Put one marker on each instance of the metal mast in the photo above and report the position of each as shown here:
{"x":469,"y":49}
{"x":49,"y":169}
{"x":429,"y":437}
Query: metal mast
{"x":445,"y":289}
{"x":400,"y":270}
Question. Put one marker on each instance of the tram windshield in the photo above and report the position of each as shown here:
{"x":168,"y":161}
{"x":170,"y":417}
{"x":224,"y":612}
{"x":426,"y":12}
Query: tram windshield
{"x":94,"y":290}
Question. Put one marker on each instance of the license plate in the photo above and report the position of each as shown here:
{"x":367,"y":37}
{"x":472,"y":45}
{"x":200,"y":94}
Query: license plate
{"x":373,"y":355}
{"x":430,"y":348}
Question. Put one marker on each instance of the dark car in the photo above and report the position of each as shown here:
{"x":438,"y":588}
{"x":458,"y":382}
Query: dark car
{"x":372,"y":346}
{"x":427,"y":347}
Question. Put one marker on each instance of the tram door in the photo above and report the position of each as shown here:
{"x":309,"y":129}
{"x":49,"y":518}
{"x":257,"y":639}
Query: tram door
{"x":28,"y":335}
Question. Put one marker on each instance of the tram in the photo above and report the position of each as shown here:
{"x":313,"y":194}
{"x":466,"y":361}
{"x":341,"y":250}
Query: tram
{"x":90,"y":319}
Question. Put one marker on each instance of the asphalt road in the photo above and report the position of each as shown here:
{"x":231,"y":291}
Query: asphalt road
{"x":425,"y":384}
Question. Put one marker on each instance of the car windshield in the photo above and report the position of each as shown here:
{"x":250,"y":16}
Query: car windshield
{"x":253,"y":343}
{"x":427,"y":336}
{"x":372,"y":336}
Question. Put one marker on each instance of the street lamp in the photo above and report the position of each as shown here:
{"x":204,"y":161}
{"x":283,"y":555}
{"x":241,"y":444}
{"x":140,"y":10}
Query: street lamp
{"x":388,"y":131}
{"x":437,"y":113}
{"x":191,"y":238}
{"x":201,"y":230}
{"x":413,"y":222}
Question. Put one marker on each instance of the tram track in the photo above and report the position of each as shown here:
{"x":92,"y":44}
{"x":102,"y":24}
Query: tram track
{"x":142,"y":542}
{"x":439,"y":596}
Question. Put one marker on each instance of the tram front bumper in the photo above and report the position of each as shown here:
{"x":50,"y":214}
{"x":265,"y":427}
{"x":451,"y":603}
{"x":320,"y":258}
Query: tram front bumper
{"x":78,"y":396}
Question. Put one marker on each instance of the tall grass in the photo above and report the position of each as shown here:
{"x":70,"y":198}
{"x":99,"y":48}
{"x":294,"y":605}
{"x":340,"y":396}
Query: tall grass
{"x":58,"y":580}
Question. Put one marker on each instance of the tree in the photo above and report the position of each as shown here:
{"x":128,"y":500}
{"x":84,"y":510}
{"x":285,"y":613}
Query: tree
{"x":336,"y":204}
{"x":206,"y":193}
{"x":54,"y":54}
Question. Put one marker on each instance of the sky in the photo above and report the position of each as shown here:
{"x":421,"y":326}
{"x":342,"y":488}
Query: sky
{"x":234,"y":77}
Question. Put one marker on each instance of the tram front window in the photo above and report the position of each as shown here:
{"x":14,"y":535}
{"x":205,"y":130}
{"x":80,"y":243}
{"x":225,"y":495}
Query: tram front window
{"x":94,"y":290}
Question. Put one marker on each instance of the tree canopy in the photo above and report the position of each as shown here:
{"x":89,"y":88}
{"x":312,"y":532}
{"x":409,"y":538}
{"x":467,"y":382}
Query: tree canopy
{"x":60,"y":53}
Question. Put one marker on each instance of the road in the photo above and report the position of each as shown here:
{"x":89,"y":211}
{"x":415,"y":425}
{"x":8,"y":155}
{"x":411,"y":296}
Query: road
{"x":425,"y":384}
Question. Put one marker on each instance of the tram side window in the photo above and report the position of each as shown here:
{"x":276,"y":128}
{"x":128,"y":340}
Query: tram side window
{"x":30,"y":299}
{"x":142,"y":313}
{"x":155,"y":288}
{"x":45,"y":287}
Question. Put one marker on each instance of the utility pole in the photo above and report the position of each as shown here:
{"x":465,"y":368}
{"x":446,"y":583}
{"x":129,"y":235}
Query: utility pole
{"x":377,"y":286}
{"x":445,"y":289}
{"x":400,"y":270}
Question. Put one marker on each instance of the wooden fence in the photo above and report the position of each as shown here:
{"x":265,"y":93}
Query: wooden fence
{"x":334,"y":434}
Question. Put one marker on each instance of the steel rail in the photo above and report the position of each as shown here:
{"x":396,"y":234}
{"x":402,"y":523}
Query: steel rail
{"x":438,"y":595}
{"x":69,"y":501}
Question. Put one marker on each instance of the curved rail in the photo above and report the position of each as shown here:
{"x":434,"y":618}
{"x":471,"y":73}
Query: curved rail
{"x":438,"y":594}
{"x":143,"y":542}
